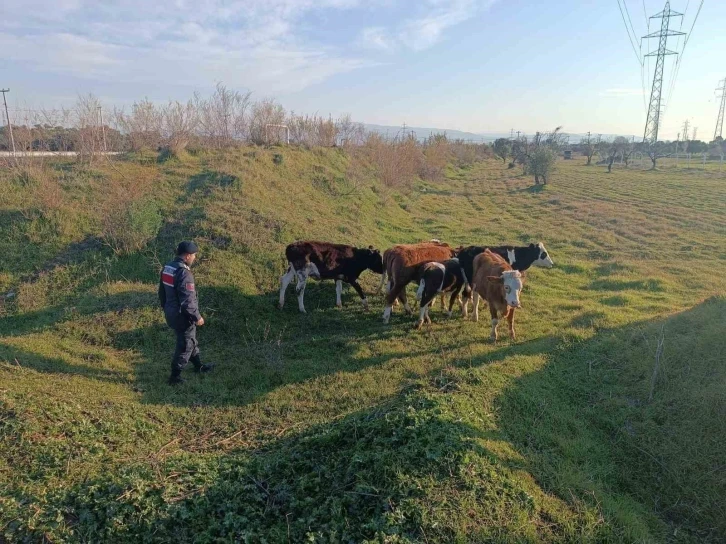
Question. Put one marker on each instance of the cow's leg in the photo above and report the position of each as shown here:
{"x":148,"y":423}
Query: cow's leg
{"x":475,"y":313}
{"x":510,"y":320}
{"x":285,"y":280}
{"x":383,"y":282}
{"x":361,"y":294}
{"x":423,"y":317}
{"x":495,"y":322}
{"x":466,"y":298}
{"x":338,"y":292}
{"x":402,"y":298}
{"x":452,"y":298}
{"x":302,"y":278}
{"x":390,"y":298}
{"x":428,"y":319}
{"x":421,"y":289}
{"x":443,"y":301}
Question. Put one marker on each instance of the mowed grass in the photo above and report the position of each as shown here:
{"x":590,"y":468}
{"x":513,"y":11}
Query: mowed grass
{"x":332,"y":427}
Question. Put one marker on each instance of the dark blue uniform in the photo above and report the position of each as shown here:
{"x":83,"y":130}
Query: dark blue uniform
{"x":178,"y":297}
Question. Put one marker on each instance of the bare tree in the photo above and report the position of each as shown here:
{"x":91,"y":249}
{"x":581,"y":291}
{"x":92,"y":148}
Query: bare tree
{"x":656,"y":151}
{"x":264,"y":113}
{"x":627,"y":150}
{"x":178,"y":122}
{"x":348,"y":132}
{"x":611,"y":149}
{"x":87,"y":123}
{"x":223,"y":116}
{"x":142,"y":125}
{"x":589,"y":148}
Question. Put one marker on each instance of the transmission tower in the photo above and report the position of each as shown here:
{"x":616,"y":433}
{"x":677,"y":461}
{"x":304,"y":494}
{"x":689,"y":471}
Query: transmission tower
{"x":718,"y":133}
{"x":652,"y":122}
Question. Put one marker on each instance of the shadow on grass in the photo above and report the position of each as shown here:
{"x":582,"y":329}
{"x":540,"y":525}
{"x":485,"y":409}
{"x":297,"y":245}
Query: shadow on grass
{"x":609,"y":465}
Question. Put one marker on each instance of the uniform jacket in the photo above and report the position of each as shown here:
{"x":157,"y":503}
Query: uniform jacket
{"x":177,"y":293}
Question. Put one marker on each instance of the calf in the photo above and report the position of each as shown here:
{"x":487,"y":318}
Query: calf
{"x":401,"y":264}
{"x":323,"y":260}
{"x":499,"y":285}
{"x":387,"y":254}
{"x":519,"y":258}
{"x":437,"y":278}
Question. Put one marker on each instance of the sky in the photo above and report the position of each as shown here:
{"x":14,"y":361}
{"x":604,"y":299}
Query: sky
{"x":473,"y":65}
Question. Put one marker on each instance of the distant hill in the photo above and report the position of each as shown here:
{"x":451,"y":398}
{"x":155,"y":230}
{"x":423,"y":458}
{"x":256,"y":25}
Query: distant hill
{"x":424,"y":132}
{"x":487,"y":137}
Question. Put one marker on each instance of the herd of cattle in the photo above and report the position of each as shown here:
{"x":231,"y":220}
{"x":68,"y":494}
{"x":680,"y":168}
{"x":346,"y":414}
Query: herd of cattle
{"x":490,"y":273}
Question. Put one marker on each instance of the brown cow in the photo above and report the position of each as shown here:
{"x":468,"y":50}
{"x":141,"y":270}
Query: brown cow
{"x":401,"y":264}
{"x":499,"y":285}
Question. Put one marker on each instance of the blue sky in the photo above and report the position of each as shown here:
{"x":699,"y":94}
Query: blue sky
{"x":475,"y":65}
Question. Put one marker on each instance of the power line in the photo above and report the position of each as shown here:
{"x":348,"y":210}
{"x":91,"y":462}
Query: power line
{"x":645,"y":14}
{"x":680,"y":57}
{"x":625,"y":5}
{"x":637,"y":56}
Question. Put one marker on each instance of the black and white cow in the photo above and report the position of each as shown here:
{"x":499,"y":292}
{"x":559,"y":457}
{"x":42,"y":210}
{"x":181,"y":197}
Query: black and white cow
{"x":519,"y":258}
{"x":322,"y":261}
{"x":438,"y":279}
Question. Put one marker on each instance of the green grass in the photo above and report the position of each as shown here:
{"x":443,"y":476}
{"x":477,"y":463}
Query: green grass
{"x":331,"y":427}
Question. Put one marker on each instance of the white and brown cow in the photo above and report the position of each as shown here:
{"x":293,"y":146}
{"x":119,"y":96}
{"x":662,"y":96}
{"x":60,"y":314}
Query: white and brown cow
{"x":323,"y":260}
{"x":438,"y":279}
{"x":401,"y":264}
{"x":499,"y":285}
{"x":519,"y":258}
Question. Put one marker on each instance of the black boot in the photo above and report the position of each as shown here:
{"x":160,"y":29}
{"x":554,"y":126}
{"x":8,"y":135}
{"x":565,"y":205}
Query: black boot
{"x":198,"y":366}
{"x":176,"y":379}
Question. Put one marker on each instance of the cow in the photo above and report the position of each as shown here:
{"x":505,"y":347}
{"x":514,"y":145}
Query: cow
{"x":437,"y":278}
{"x":401,"y":264}
{"x":518,"y":257}
{"x":385,"y":255}
{"x":499,"y":285}
{"x":323,"y":260}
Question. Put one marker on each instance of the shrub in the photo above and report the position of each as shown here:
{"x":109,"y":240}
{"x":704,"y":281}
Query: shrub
{"x":131,"y":225}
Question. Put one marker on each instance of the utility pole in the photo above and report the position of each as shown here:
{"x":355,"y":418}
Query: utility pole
{"x":686,"y":125}
{"x":678,"y":141}
{"x":511,"y":134}
{"x":718,"y":133}
{"x":103,"y":128}
{"x":10,"y":125}
{"x":518,"y":134}
{"x":695,"y":133}
{"x":652,"y":123}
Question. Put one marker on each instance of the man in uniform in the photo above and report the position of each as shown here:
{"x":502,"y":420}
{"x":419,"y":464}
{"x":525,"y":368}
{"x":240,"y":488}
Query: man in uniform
{"x":178,"y":297}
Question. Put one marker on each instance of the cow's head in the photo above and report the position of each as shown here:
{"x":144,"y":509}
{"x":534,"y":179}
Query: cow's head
{"x":512,"y":283}
{"x":310,"y":270}
{"x":543,"y":258}
{"x":373,"y":260}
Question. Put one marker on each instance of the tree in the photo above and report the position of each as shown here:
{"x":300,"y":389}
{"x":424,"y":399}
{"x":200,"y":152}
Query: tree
{"x":589,"y":148}
{"x":615,"y":148}
{"x":627,"y":150}
{"x":502,"y":148}
{"x":539,"y":155}
{"x":656,"y":151}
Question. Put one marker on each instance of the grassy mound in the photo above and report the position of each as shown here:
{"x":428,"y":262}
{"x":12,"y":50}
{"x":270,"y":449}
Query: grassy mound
{"x":332,"y":427}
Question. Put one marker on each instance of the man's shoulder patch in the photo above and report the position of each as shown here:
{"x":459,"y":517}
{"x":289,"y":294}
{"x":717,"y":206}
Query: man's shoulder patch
{"x":189,"y":287}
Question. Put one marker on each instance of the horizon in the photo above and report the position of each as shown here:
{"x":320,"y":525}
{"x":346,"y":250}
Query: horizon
{"x":385,"y":63}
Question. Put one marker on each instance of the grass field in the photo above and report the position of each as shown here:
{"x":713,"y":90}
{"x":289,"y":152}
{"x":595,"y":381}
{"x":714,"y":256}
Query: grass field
{"x":332,"y":427}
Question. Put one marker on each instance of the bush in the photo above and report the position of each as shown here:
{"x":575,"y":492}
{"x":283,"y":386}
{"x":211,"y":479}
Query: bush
{"x":541,"y":163}
{"x":131,"y":226}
